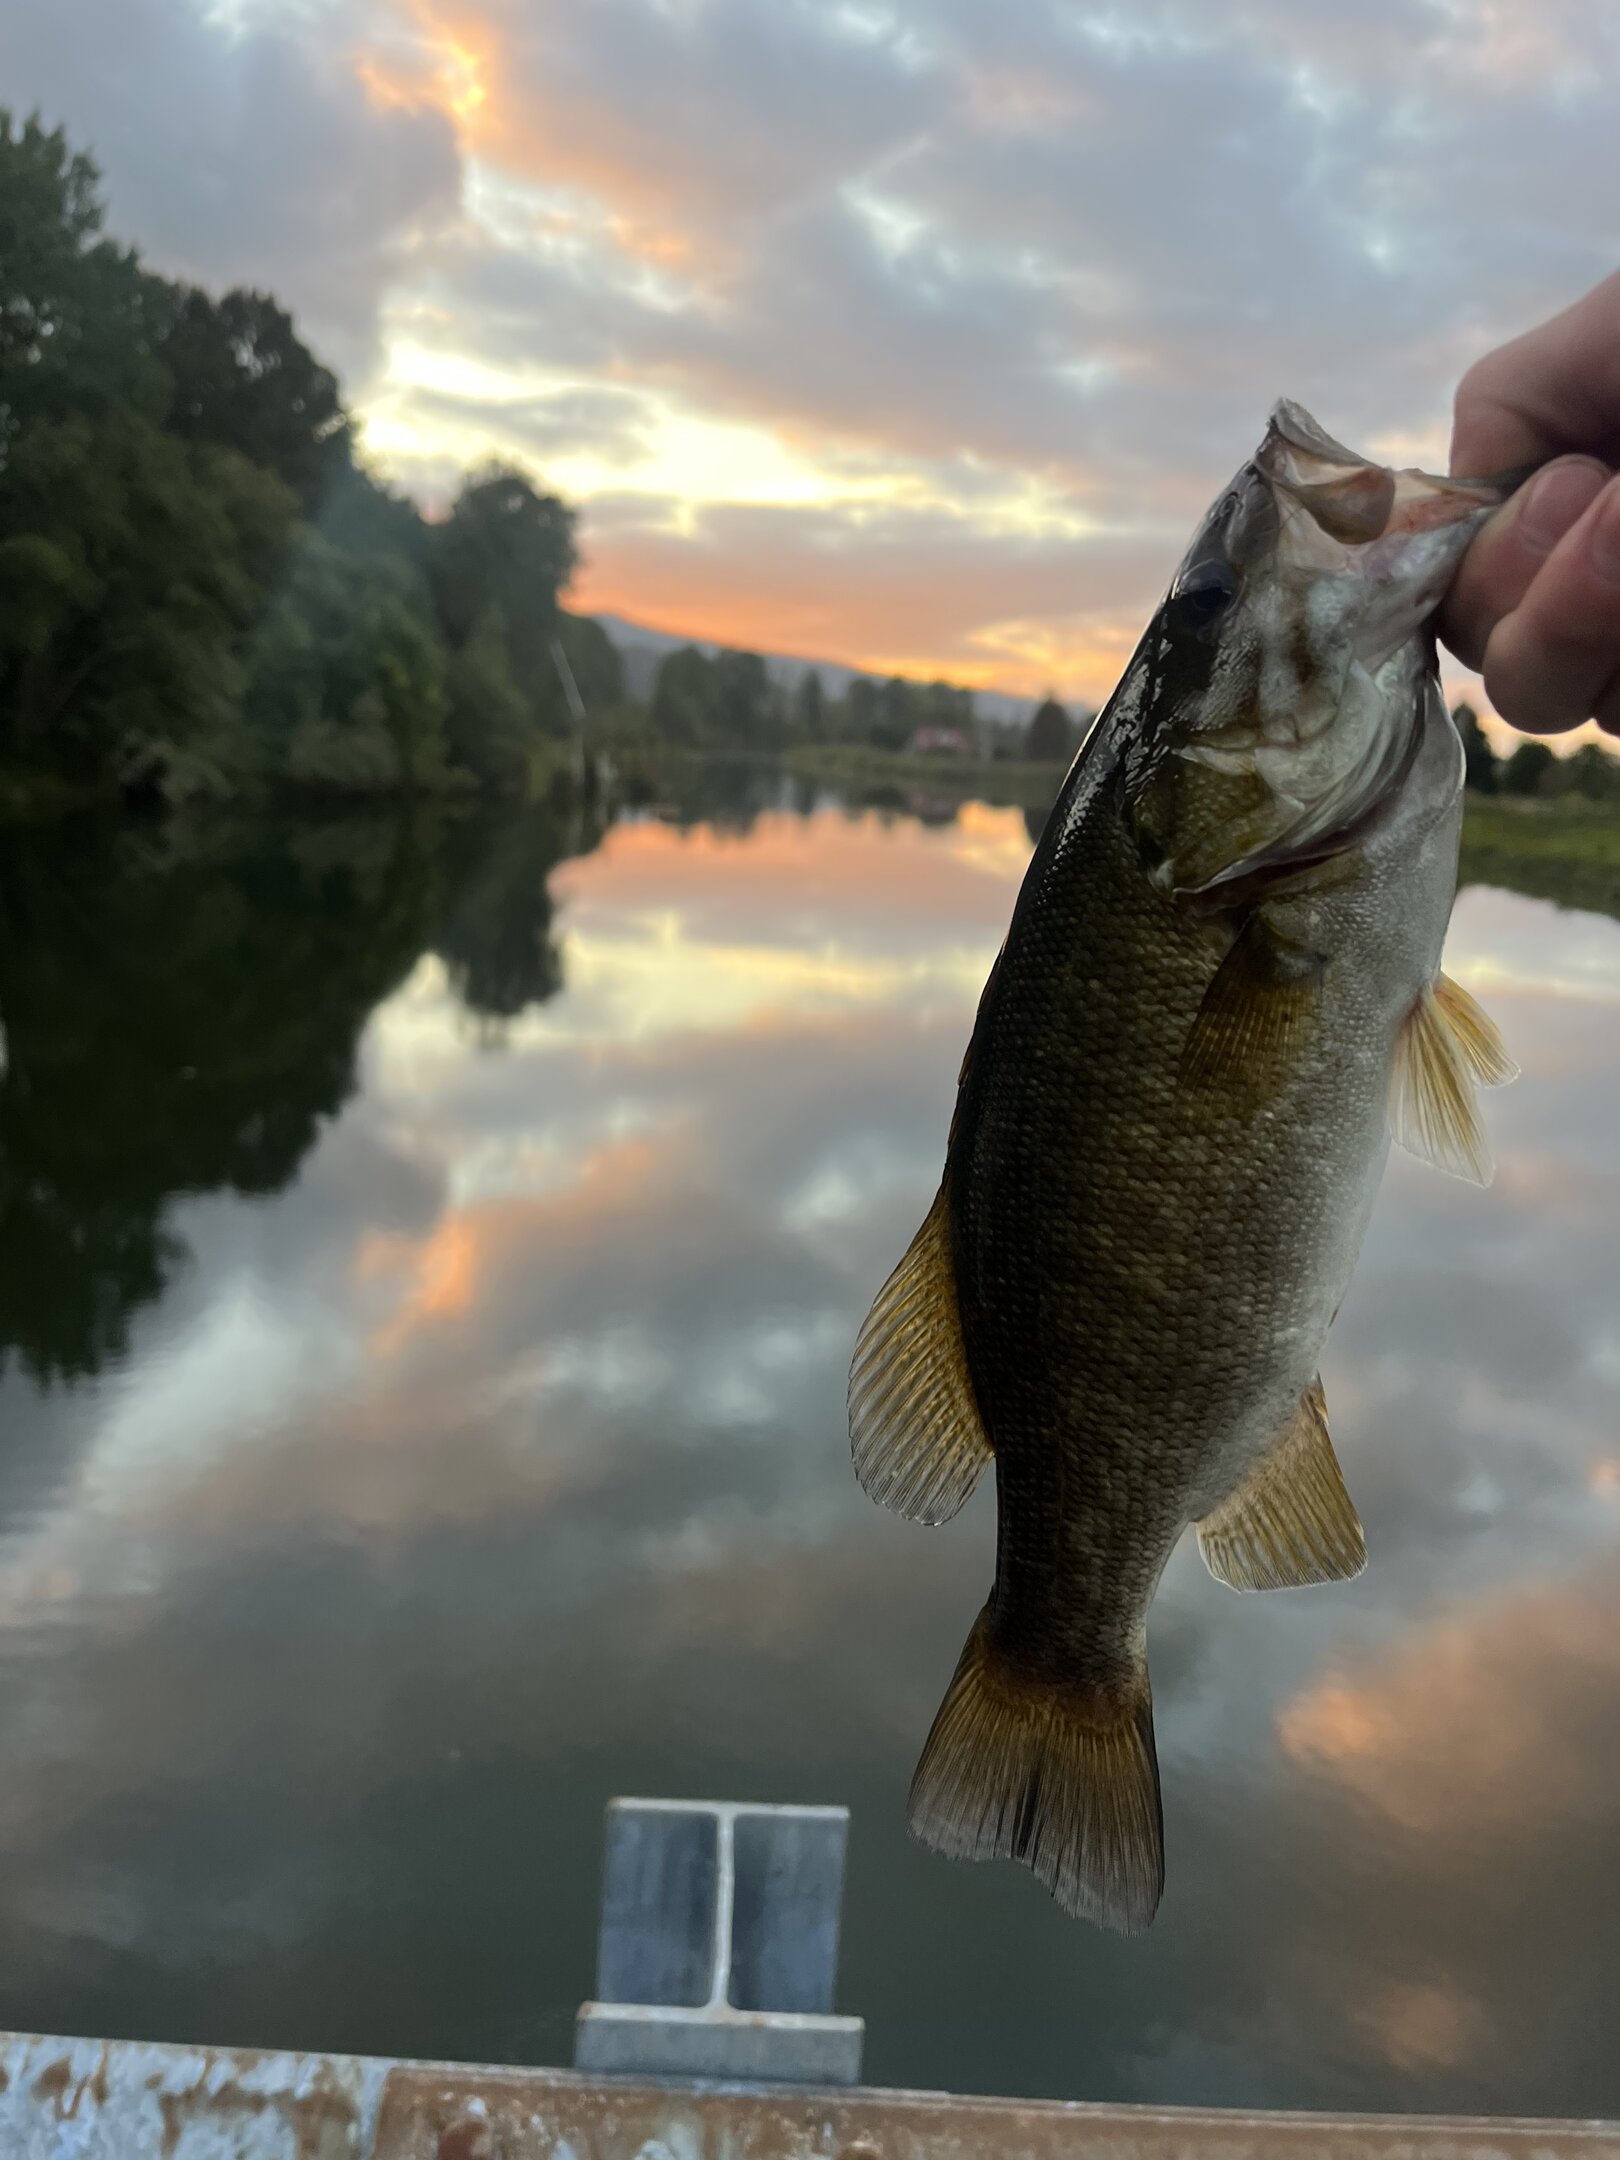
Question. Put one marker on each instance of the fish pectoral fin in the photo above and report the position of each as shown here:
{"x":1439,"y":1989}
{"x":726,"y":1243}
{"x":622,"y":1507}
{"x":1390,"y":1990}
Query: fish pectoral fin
{"x":1019,"y":1766}
{"x":1447,"y":1043}
{"x":918,"y":1441}
{"x":1255,"y":1016}
{"x":1291,"y":1521}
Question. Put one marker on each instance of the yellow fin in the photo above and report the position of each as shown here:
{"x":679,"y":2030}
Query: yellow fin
{"x":1291,"y":1520}
{"x":1067,"y":1781}
{"x":1446,"y":1043}
{"x":1255,"y":1017}
{"x":1478,"y":1037}
{"x":914,"y":1425}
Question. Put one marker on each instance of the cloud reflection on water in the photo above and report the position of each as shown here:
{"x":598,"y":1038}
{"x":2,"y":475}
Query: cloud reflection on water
{"x":497,"y":1463}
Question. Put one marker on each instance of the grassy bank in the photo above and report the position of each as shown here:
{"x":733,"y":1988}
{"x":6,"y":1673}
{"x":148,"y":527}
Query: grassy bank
{"x":1013,"y":782}
{"x":1566,"y":850}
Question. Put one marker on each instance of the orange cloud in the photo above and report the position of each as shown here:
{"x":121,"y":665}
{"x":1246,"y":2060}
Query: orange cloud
{"x":934,"y":599}
{"x":1473,"y":1726}
{"x":1426,"y":2025}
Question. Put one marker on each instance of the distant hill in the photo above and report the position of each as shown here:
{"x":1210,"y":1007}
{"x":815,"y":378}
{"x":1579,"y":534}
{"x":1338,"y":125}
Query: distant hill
{"x":641,"y":649}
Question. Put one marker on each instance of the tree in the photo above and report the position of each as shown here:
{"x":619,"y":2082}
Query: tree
{"x":506,"y":544}
{"x":1479,"y":759}
{"x":810,"y":707}
{"x":594,"y":662}
{"x":860,"y":709}
{"x":1049,"y":737}
{"x":1593,"y":772}
{"x":136,"y":561}
{"x":744,"y":701}
{"x":1526,"y":769}
{"x":347,"y":687}
{"x":893,"y":721}
{"x":487,"y":724}
{"x":683,"y":699}
{"x":242,"y":378}
{"x":79,"y":319}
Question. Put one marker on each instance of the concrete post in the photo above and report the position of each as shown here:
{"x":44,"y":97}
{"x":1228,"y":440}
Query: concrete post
{"x":719,"y":1945}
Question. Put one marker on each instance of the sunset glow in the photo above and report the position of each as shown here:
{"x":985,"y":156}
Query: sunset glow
{"x":912,"y":338}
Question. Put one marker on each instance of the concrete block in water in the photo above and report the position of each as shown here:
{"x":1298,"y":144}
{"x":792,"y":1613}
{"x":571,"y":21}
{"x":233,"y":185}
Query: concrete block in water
{"x":719,"y":1945}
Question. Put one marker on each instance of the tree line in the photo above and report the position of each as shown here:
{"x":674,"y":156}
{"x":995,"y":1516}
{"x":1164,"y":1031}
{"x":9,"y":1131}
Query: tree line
{"x":200,"y":582}
{"x":203,"y":588}
{"x":1533,"y":767}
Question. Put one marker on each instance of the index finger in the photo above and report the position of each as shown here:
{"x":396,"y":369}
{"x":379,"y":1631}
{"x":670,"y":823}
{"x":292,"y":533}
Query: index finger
{"x":1557,"y":388}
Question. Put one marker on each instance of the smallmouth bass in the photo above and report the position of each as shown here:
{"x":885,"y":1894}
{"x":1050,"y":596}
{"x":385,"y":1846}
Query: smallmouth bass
{"x":1219,"y":998}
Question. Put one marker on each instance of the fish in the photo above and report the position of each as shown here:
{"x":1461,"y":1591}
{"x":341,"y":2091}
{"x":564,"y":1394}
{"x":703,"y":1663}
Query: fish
{"x":1218,"y":1001}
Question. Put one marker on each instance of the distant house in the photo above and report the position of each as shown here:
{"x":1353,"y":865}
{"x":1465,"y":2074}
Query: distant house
{"x":931,"y":741}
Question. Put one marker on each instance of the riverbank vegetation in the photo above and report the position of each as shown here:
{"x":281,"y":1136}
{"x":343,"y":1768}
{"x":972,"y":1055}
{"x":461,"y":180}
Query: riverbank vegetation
{"x":206,"y":592}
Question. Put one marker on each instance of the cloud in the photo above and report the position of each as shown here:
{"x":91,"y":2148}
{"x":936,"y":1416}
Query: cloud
{"x":915,"y":590}
{"x":243,"y":156}
{"x":1055,"y":258}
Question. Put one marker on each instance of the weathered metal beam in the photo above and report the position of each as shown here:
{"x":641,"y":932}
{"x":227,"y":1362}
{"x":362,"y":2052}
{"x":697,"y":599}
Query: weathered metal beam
{"x":130,"y":2100}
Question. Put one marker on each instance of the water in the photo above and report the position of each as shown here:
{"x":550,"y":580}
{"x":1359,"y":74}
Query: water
{"x":429,"y":1254}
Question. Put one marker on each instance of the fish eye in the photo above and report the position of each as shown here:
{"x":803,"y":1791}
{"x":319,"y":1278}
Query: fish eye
{"x":1206,"y":590}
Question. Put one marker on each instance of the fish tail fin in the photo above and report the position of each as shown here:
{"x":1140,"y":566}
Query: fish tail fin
{"x":1065,"y":1779}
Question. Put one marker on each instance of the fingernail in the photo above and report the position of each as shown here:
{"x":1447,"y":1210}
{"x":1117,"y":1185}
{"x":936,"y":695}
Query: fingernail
{"x":1603,"y":548}
{"x":1556,"y":498}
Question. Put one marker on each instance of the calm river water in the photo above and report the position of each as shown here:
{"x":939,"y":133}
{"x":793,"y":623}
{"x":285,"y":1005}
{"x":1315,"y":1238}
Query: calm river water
{"x":429,"y":1257}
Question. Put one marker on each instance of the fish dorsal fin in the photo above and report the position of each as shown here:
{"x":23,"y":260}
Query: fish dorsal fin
{"x":1291,"y":1520}
{"x":914,"y":1425}
{"x":1446,"y":1044}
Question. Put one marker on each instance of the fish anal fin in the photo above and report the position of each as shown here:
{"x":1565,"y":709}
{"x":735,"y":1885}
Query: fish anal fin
{"x":915,"y":1432}
{"x":1291,"y":1521}
{"x":1445,"y":1045}
{"x":1256,"y":1015}
{"x":1064,"y":1779}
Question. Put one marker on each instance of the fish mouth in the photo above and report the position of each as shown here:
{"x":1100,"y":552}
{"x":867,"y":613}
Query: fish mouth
{"x":1353,"y":500}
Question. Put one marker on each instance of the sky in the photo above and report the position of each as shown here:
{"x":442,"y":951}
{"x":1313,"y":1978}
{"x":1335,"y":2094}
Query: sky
{"x":913,"y":334}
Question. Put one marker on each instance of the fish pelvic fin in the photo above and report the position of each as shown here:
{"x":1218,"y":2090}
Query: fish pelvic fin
{"x":1291,"y":1521}
{"x":915,"y":1432}
{"x":1064,"y":1779}
{"x":1447,"y":1044}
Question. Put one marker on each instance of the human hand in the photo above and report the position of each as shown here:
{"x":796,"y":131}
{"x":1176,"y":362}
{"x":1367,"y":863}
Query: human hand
{"x":1536,"y":604}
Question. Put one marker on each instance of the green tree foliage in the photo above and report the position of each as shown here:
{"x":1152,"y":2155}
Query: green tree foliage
{"x":505,"y":546}
{"x":79,"y":319}
{"x":859,"y":710}
{"x":241,"y":377}
{"x":683,"y":698}
{"x":199,"y":583}
{"x":727,"y":702}
{"x":1480,"y":766}
{"x":1050,"y":735}
{"x":1594,"y":773}
{"x":593,"y":661}
{"x":746,"y":710}
{"x":810,"y":708}
{"x":347,"y":686}
{"x":1526,"y":770}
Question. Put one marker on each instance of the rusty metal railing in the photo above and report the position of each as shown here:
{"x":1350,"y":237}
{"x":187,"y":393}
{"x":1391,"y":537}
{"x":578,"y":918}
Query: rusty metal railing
{"x":128,"y":2100}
